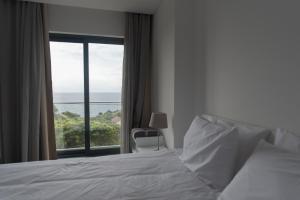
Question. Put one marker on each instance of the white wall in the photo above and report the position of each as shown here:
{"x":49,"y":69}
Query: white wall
{"x":136,"y":6}
{"x":65,"y":19}
{"x":184,"y":96}
{"x":199,"y":61}
{"x":173,"y":66}
{"x":163,"y":65}
{"x":236,"y":59}
{"x":252,"y":62}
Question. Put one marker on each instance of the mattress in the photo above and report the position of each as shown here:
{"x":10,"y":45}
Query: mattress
{"x":156,"y":175}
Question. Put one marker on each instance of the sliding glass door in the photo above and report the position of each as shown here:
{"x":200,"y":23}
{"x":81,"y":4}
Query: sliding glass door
{"x":87,"y":82}
{"x":68,"y":94}
{"x":105,"y":75}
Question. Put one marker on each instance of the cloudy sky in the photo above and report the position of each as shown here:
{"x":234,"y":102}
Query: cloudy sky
{"x":105,"y":67}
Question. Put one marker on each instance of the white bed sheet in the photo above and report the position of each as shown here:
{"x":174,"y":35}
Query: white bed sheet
{"x":157,"y":175}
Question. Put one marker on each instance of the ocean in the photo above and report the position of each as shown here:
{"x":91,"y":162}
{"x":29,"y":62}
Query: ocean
{"x":99,"y":102}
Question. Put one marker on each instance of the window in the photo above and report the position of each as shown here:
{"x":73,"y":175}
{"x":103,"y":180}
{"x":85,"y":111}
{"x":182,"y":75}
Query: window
{"x":87,"y":82}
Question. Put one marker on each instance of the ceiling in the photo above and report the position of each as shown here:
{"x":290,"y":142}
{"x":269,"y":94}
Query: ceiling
{"x":138,"y":6}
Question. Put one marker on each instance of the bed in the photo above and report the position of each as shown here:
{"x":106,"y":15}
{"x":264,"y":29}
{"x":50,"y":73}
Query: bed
{"x":157,"y":175}
{"x":220,"y":160}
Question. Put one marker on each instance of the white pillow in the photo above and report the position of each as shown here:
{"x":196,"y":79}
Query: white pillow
{"x":270,"y":173}
{"x":287,"y":140}
{"x":248,"y":135}
{"x":210,"y":151}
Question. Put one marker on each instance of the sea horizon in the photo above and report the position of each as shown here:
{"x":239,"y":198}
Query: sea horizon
{"x":100,"y":102}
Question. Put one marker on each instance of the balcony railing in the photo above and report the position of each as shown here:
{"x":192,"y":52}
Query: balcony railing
{"x":95,"y":107}
{"x":92,"y":102}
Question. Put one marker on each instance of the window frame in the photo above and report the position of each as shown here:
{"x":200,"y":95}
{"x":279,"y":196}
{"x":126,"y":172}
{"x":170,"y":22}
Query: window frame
{"x":85,"y":40}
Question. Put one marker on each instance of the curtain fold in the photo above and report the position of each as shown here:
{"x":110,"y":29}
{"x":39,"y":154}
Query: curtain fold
{"x":27,"y":122}
{"x":48,"y":149}
{"x":136,"y":87}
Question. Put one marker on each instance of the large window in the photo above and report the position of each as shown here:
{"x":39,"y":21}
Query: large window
{"x":87,"y":82}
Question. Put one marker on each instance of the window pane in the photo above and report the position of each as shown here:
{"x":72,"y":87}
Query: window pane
{"x":105,"y":73}
{"x":68,"y":94}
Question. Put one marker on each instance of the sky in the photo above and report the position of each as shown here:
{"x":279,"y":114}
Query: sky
{"x":105,"y":67}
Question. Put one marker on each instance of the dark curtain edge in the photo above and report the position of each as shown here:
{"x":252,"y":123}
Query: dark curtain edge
{"x":136,"y":107}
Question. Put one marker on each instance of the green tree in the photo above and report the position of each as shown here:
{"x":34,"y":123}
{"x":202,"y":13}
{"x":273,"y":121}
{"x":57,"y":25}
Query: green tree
{"x":70,"y":114}
{"x":69,"y":128}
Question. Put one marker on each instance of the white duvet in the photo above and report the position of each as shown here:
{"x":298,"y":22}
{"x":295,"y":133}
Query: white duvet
{"x":157,"y":175}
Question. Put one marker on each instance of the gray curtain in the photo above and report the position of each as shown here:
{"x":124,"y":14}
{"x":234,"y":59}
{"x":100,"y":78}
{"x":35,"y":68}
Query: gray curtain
{"x":26,"y":118}
{"x":136,"y":89}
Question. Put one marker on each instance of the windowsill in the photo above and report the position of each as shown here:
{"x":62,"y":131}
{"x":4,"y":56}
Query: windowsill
{"x":95,"y":151}
{"x":105,"y":147}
